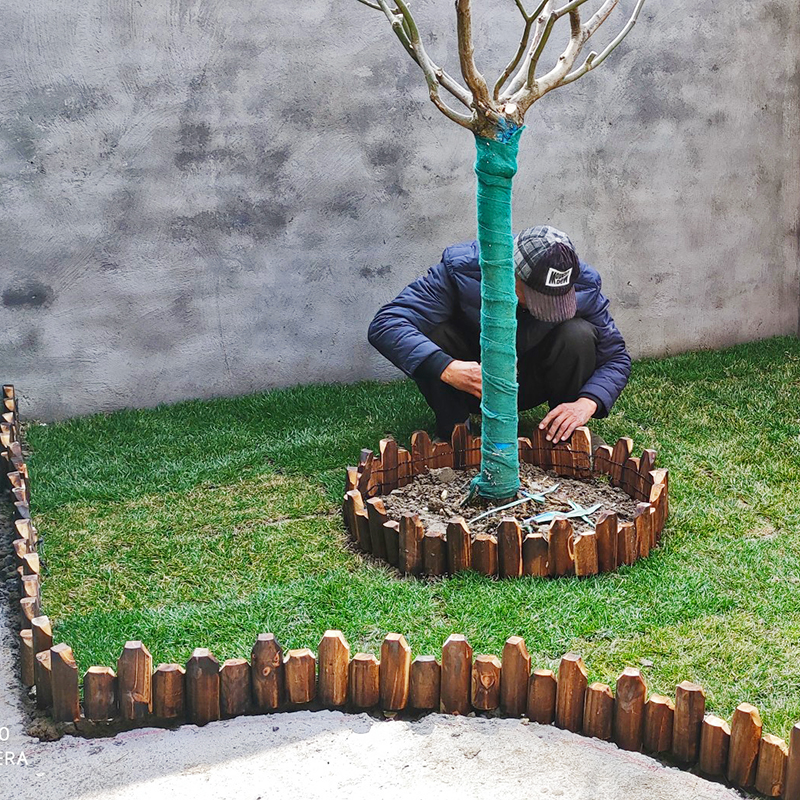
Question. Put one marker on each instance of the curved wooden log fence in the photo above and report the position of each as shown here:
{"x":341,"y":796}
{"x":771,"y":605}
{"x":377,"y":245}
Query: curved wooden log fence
{"x":457,"y":682}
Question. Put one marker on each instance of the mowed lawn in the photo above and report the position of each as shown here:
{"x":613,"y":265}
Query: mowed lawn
{"x":206,"y":523}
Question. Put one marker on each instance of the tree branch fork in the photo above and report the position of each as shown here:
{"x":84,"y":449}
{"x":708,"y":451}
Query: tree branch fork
{"x":490,"y":113}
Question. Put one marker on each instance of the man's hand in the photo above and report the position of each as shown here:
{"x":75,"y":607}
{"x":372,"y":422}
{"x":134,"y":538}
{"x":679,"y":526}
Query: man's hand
{"x":463,"y":375}
{"x":563,"y":419}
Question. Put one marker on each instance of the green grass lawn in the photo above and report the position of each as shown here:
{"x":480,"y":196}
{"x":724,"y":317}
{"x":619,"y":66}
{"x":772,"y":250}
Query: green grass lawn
{"x":206,"y":523}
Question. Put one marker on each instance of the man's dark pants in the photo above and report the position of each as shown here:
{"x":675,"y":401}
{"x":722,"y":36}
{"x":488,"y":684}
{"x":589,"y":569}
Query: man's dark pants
{"x":554,"y":371}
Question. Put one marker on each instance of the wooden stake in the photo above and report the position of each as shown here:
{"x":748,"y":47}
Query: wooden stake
{"x":459,"y":546}
{"x":64,"y":678}
{"x":562,"y":460}
{"x":509,"y":548}
{"x":542,"y":449}
{"x":26,"y":657}
{"x":598,"y":711}
{"x":606,"y":532}
{"x":619,"y":455}
{"x":364,"y":679}
{"x":771,"y":771}
{"x":334,"y":661}
{"x":514,"y":677}
{"x":581,"y":446}
{"x":456,"y":675}
{"x":365,"y":471}
{"x":266,"y":674}
{"x":659,"y":719}
{"x":792,"y":790}
{"x":29,"y":609}
{"x":627,"y":543}
{"x":100,"y":694}
{"x":630,"y":477}
{"x":629,"y":709}
{"x":715,"y":739}
{"x":134,"y":671}
{"x":572,"y":684}
{"x":646,"y":464}
{"x":542,"y":690}
{"x":585,"y":554}
{"x":404,"y":476}
{"x":395,"y":672}
{"x":391,"y":538}
{"x":602,"y":460}
{"x":299,"y":669}
{"x":376,"y":514}
{"x":690,"y":706}
{"x":474,"y":452}
{"x":202,"y":687}
{"x":560,"y":547}
{"x":535,"y":555}
{"x":459,"y":441}
{"x":486,"y":683}
{"x":349,"y":513}
{"x":643,"y":523}
{"x":745,"y":742}
{"x":426,"y":683}
{"x":44,"y":679}
{"x":410,"y":545}
{"x":484,"y":554}
{"x":375,"y":485}
{"x":356,"y":516}
{"x":42,"y":634}
{"x":442,"y":455}
{"x":29,"y":586}
{"x":525,"y":450}
{"x":234,"y":688}
{"x":434,"y":553}
{"x":421,"y":451}
{"x":388,"y":449}
{"x":30,"y":564}
{"x":657,"y":494}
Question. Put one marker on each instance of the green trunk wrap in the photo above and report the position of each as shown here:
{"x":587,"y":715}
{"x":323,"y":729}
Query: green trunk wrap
{"x":495,"y":166}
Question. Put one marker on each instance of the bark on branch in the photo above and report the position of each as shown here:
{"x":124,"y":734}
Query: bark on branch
{"x":406,"y":30}
{"x":474,"y":80}
{"x":593,"y":59}
{"x":490,"y":113}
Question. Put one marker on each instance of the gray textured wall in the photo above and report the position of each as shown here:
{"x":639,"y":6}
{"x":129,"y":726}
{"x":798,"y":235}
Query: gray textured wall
{"x":205,"y":198}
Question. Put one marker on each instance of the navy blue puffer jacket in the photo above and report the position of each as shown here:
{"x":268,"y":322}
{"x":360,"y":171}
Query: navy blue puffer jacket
{"x":451,"y":289}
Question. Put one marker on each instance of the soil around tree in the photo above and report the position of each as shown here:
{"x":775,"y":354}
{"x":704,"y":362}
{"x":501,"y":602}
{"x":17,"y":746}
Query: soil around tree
{"x":437,"y":495}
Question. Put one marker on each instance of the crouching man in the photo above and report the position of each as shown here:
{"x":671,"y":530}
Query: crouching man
{"x":570,"y":353}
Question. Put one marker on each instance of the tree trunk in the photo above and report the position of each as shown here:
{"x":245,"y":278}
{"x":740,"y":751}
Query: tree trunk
{"x":495,"y":167}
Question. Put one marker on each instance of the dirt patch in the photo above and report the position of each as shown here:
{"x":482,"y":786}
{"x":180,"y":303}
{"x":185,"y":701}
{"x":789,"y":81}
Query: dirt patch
{"x":437,"y":496}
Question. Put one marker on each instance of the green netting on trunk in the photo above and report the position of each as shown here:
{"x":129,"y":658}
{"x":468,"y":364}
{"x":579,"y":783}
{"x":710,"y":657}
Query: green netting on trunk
{"x":495,"y":166}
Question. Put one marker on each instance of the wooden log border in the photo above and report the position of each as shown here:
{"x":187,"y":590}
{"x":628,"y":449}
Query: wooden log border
{"x":501,"y":554}
{"x":457,"y":682}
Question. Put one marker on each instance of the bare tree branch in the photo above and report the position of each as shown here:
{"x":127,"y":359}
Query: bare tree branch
{"x":370,"y":5}
{"x":593,"y":60}
{"x":566,"y":60}
{"x":474,"y":80}
{"x":541,"y":15}
{"x":405,"y":27}
{"x":560,"y":12}
{"x":530,"y":19}
{"x":530,"y":78}
{"x":600,"y":16}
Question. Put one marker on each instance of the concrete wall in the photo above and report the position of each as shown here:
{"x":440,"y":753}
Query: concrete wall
{"x":208,"y":197}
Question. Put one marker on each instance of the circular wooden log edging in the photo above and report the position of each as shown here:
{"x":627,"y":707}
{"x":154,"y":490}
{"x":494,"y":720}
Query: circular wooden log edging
{"x":557,"y":552}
